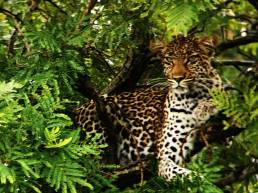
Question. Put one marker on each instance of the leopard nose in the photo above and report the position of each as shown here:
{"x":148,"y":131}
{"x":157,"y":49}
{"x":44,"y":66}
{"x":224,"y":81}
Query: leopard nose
{"x":178,"y":78}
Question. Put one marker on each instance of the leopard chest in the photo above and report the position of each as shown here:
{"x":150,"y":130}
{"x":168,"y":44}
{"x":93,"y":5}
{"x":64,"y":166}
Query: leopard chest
{"x":179,"y":129}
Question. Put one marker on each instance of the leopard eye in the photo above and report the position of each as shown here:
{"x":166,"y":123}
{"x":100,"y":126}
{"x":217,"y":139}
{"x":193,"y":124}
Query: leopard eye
{"x":168,"y":60}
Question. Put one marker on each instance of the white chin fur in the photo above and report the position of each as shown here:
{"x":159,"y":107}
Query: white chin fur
{"x":179,"y":88}
{"x":175,"y":85}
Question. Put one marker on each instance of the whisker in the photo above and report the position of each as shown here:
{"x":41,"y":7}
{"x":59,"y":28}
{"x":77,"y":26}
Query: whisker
{"x":160,"y":84}
{"x":203,"y":85}
{"x":187,"y":80}
{"x":171,"y":80}
{"x":157,"y":79}
{"x":204,"y":79}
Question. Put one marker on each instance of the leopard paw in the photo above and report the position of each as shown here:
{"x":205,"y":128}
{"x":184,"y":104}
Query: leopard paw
{"x":203,"y":111}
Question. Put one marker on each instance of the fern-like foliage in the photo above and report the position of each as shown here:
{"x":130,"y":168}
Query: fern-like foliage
{"x":53,"y":140}
{"x":8,"y":104}
{"x":178,"y":17}
{"x":7,"y":174}
{"x":207,"y":163}
{"x":243,"y":110}
{"x":46,"y":45}
{"x":177,"y":185}
{"x":36,"y":142}
{"x":65,"y":175}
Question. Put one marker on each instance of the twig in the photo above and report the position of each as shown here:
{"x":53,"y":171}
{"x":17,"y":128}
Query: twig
{"x":10,"y":14}
{"x":91,"y":4}
{"x":86,"y":12}
{"x":56,"y":6}
{"x":19,"y":25}
{"x":245,"y":54}
{"x":17,"y":22}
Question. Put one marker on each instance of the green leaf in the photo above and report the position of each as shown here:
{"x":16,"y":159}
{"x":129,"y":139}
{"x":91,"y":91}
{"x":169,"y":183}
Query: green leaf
{"x":7,"y":88}
{"x":6,"y":174}
{"x":83,"y":183}
{"x":27,"y":169}
{"x":53,"y":140}
{"x":36,"y":189}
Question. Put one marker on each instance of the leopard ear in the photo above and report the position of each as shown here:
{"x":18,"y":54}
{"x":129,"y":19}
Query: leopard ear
{"x":210,"y":41}
{"x":208,"y":44}
{"x":157,"y":47}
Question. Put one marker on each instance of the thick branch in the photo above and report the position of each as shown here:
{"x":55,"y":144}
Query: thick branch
{"x":233,"y":62}
{"x":129,"y":75}
{"x":18,"y":22}
{"x":137,"y":61}
{"x":86,"y":88}
{"x":98,"y":58}
{"x":126,"y":79}
{"x":251,"y":38}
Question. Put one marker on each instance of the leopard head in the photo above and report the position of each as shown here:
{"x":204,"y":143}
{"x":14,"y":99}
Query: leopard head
{"x":186,"y":60}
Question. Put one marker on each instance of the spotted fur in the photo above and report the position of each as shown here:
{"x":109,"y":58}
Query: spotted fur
{"x":158,"y":121}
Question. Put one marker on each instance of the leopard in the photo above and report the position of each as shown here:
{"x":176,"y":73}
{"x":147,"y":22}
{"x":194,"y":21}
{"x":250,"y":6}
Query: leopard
{"x":161,"y":122}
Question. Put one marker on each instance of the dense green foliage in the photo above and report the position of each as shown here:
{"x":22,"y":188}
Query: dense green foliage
{"x":46,"y":45}
{"x":37,"y":142}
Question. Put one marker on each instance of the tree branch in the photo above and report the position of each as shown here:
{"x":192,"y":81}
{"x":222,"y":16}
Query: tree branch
{"x":137,"y":61}
{"x":233,"y":62}
{"x":91,"y":4}
{"x":86,"y":12}
{"x":10,"y":14}
{"x":129,"y":75}
{"x":33,"y":6}
{"x":85,"y":87}
{"x":56,"y":6}
{"x":213,"y":132}
{"x":238,"y":175}
{"x":250,"y":38}
{"x":98,"y":58}
{"x":18,"y":22}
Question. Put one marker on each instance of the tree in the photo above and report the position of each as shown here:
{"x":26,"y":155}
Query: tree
{"x":55,"y":54}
